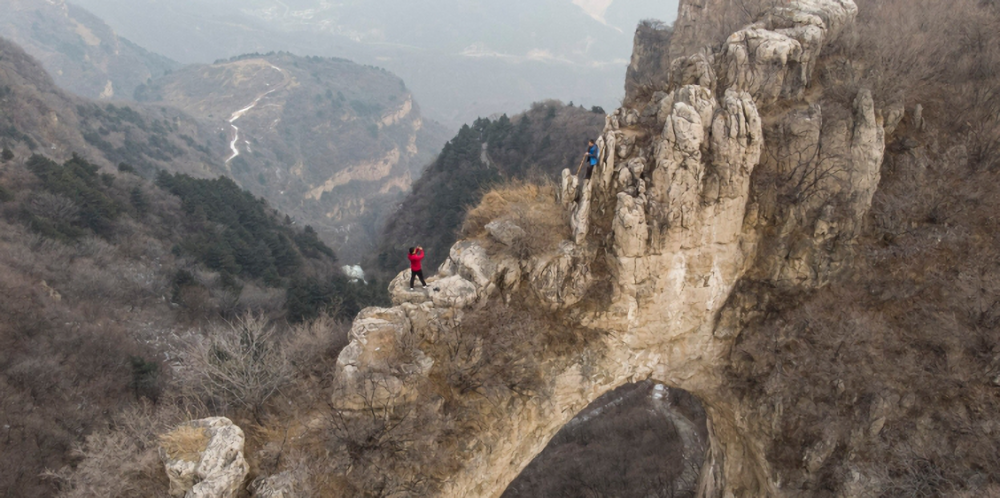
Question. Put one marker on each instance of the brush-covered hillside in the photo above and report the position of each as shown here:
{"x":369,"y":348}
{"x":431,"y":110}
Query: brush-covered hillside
{"x":37,"y":116}
{"x":83,"y":54}
{"x":106,"y":279}
{"x":326,"y":140}
{"x":536,"y":145}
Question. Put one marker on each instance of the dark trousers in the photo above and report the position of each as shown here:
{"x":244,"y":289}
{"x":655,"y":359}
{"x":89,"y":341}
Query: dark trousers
{"x":418,"y":273}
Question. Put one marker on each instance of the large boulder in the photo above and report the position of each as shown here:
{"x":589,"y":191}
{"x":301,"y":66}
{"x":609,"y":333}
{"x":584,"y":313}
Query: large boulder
{"x":204,"y":459}
{"x":505,"y":231}
{"x":454,"y":292}
{"x":399,"y":290}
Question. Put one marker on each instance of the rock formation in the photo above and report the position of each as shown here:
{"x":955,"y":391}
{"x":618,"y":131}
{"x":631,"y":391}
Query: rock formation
{"x":204,"y":459}
{"x":730,"y":175}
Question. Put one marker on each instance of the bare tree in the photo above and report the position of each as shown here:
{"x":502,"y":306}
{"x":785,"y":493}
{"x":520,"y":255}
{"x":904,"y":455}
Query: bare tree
{"x":383,"y":443}
{"x":240,"y":365}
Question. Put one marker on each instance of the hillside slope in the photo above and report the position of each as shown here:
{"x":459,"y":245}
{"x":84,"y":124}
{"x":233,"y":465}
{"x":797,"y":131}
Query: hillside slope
{"x":104,"y":278}
{"x":536,"y":145}
{"x":79,"y":50}
{"x":326,"y":140}
{"x":36,"y":116}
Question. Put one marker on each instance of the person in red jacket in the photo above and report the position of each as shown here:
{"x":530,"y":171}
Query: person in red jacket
{"x":416,"y":258}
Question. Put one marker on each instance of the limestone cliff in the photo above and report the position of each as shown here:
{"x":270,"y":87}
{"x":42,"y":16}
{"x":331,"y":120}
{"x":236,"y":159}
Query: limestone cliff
{"x":739,"y":179}
{"x":684,"y":205}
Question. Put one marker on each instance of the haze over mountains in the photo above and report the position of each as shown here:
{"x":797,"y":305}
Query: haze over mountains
{"x":325,"y":127}
{"x":330,"y":142}
{"x":82,"y":53}
{"x":462,"y":59}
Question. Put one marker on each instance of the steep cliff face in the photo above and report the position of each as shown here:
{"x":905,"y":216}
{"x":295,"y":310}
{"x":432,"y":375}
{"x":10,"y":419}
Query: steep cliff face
{"x":735,"y":186}
{"x":650,"y":64}
{"x":682,"y":207}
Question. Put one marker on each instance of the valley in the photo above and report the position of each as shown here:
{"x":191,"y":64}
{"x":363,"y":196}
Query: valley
{"x":460,"y":64}
{"x":331,"y":143}
{"x":778,"y":279}
{"x":238,"y":114}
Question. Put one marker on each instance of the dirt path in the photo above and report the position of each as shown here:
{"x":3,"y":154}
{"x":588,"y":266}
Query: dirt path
{"x":240,"y":113}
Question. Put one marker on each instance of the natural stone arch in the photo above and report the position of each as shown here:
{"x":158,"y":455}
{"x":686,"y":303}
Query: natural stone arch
{"x":509,"y":438}
{"x":642,"y":439}
{"x":672,"y":234}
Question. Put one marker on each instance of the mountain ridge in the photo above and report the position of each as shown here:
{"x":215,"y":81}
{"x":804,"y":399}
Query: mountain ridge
{"x":37,"y":115}
{"x":84,"y":55}
{"x":543,"y":50}
{"x":325,"y":140}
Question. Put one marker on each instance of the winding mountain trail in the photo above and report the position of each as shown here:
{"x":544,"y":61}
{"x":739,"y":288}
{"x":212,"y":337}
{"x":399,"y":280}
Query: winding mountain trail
{"x":240,"y":113}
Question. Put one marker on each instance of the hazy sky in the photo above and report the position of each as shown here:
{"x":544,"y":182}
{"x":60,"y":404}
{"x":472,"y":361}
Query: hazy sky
{"x":462,"y":58}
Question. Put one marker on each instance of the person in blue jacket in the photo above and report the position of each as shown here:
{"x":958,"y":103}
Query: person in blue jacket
{"x":592,"y":152}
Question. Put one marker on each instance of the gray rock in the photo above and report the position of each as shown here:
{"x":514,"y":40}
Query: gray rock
{"x":505,"y":231}
{"x":399,"y":290}
{"x":277,"y":486}
{"x":204,"y":459}
{"x":918,"y":117}
{"x":454,"y":292}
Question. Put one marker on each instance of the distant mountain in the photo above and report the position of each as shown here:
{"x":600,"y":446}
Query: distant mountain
{"x":328,"y":141}
{"x":464,"y":59}
{"x":38,"y":117}
{"x":536,"y":145}
{"x":81,"y":52}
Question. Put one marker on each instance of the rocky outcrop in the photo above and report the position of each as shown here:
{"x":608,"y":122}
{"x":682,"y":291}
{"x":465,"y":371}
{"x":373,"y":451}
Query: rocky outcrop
{"x":650,"y":58}
{"x":204,"y":459}
{"x":729,"y":174}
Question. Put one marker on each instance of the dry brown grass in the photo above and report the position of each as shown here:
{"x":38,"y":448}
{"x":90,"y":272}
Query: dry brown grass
{"x":187,"y":443}
{"x":531,"y":207}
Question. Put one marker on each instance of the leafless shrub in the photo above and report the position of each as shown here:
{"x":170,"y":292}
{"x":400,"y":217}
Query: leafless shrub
{"x":384,"y":443}
{"x":122,"y":461}
{"x":312,"y":347}
{"x":104,"y":285}
{"x":494,"y":353}
{"x":239,"y":366}
{"x":134,"y":241}
{"x":97,"y":249}
{"x":254,"y":299}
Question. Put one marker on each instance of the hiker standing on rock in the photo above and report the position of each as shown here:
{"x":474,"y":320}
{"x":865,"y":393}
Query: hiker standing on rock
{"x":590,"y":159}
{"x":416,"y":258}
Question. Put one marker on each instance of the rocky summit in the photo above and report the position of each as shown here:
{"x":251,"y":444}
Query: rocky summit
{"x":669,"y":225}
